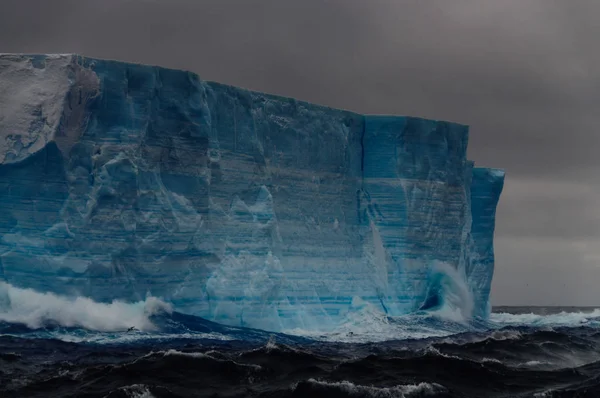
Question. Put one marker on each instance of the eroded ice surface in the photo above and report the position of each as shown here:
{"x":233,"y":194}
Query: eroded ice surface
{"x":119,"y":181}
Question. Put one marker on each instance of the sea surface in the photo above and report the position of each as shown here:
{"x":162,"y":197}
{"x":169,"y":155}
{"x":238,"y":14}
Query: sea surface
{"x":518,"y":352}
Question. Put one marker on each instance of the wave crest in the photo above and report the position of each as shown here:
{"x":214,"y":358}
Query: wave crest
{"x":572,"y":319}
{"x":355,"y":390}
{"x":36,"y":310}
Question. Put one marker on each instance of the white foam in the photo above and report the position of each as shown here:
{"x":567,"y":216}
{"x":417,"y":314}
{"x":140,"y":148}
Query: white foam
{"x":171,"y":352}
{"x":124,"y":338}
{"x":533,"y":363}
{"x":137,"y":391}
{"x":399,"y":391}
{"x":491,"y":360}
{"x":271,"y":345}
{"x":34,"y":309}
{"x":201,"y":355}
{"x":435,"y":351}
{"x":458,"y":302}
{"x":561,"y":319}
{"x":500,"y":335}
{"x":365,"y":322}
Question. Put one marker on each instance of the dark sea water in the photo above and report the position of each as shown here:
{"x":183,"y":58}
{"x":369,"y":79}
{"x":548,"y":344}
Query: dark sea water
{"x":519,"y":352}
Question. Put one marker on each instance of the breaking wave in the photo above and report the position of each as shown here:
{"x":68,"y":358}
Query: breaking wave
{"x":312,"y":387}
{"x":367,"y":323}
{"x":449,"y":296}
{"x":572,"y":319}
{"x":134,"y":391}
{"x":411,"y":358}
{"x":36,"y":310}
{"x":153,"y":318}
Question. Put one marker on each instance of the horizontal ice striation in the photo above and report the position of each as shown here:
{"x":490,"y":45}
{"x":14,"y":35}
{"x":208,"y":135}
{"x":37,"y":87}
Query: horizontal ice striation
{"x":120,"y":180}
{"x":416,"y":183}
{"x":486,"y":187}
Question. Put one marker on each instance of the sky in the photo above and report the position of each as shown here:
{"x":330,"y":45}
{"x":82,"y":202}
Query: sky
{"x":524,"y":74}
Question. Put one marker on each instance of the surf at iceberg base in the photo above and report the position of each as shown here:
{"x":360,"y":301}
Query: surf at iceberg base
{"x":128,"y":187}
{"x":35,"y":315}
{"x":54,"y":351}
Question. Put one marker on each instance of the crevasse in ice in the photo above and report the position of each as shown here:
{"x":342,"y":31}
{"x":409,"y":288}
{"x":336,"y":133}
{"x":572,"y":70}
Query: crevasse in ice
{"x":119,"y":181}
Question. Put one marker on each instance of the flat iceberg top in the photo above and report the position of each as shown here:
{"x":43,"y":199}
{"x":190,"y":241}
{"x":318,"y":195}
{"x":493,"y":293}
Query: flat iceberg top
{"x":39,"y":83}
{"x":123,"y":181}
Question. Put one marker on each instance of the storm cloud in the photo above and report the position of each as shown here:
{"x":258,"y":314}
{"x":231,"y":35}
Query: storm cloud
{"x":525,"y":75}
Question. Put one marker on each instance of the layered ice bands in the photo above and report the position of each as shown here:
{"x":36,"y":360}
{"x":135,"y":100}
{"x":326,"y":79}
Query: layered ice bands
{"x":122,"y":181}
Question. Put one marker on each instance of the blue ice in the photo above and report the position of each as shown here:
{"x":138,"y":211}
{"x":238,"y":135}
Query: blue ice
{"x":124,"y":181}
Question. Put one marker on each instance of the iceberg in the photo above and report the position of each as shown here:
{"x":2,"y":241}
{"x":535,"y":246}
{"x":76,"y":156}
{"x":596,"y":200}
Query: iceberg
{"x":121,"y":181}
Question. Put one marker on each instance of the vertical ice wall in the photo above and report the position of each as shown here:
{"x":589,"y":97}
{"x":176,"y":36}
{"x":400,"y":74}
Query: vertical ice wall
{"x":486,"y":188}
{"x":121,"y":180}
{"x":416,"y":194}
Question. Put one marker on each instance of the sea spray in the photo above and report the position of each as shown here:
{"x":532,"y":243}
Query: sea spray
{"x":36,"y":309}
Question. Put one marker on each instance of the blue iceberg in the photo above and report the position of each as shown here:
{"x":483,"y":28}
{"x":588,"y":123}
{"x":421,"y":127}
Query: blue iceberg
{"x":123,"y":181}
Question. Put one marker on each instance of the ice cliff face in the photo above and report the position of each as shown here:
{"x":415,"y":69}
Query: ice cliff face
{"x":120,"y":180}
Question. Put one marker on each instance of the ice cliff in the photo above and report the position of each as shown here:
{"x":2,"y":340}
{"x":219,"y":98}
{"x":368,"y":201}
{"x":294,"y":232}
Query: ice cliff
{"x":119,"y":181}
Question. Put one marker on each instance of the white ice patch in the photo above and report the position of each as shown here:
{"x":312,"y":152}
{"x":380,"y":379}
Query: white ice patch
{"x":36,"y":103}
{"x":33,"y":94}
{"x":34,"y":309}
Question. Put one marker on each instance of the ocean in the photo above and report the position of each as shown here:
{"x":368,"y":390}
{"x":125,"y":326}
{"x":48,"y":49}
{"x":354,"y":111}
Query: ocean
{"x":518,"y":352}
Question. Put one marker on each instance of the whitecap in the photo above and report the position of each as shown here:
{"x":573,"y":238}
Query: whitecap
{"x":137,"y":391}
{"x":399,"y":391}
{"x":35,"y":310}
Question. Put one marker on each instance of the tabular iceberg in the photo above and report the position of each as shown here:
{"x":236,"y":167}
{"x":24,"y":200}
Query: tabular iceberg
{"x":119,"y":181}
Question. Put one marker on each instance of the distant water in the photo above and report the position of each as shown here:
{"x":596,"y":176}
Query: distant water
{"x":541,"y":310}
{"x":519,"y":352}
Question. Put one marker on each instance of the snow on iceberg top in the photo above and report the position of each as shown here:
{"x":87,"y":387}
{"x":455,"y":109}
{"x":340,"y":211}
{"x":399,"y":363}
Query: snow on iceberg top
{"x":43,"y":99}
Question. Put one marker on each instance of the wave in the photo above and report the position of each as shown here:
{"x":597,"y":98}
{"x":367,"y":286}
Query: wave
{"x":367,"y":323}
{"x":200,"y":355}
{"x":312,"y":387}
{"x":154,"y":319}
{"x":506,"y":364}
{"x":37,"y":310}
{"x":575,"y":319}
{"x":134,"y":391}
{"x":130,"y":338}
{"x":449,"y":311}
{"x":451,"y":292}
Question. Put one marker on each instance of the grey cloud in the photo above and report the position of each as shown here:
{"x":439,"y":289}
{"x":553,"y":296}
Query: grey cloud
{"x":543,"y":271}
{"x":534,"y":208}
{"x":524,"y":74}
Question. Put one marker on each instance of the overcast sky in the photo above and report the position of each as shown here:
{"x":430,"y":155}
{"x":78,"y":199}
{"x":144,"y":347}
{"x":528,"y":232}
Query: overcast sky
{"x":524,"y":74}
